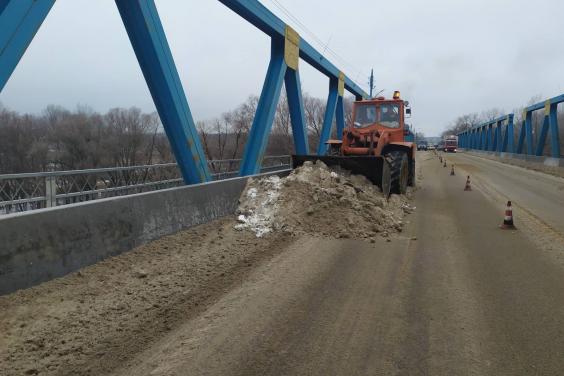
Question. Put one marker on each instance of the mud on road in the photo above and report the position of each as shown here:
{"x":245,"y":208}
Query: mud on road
{"x":96,"y":320}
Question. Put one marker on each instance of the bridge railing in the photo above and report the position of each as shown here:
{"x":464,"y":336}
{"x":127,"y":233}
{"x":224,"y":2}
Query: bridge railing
{"x":20,"y":20}
{"x":499,"y":135}
{"x":38,"y":190}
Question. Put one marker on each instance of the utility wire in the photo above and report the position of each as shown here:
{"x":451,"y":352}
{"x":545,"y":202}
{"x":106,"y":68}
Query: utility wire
{"x":313,"y":36}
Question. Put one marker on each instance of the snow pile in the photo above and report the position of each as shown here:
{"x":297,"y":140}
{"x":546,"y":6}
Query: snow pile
{"x":317,"y":200}
{"x":260,"y":205}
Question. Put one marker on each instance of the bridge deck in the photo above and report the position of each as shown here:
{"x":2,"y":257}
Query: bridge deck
{"x":451,"y":294}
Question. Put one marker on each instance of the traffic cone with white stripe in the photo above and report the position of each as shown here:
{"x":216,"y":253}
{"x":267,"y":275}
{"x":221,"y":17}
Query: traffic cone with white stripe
{"x":444,"y":165}
{"x":508,"y":219}
{"x":468,"y":187}
{"x":452,"y":171}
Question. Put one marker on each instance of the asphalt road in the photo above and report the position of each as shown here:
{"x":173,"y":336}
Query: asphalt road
{"x":455,"y":295}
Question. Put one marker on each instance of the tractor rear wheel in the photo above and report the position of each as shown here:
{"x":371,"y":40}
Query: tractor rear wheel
{"x":399,"y":164}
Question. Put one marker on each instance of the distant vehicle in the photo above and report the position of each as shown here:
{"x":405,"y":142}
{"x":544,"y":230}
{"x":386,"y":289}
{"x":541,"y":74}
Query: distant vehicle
{"x":431,"y":147}
{"x":450,"y":144}
{"x":422,"y":145}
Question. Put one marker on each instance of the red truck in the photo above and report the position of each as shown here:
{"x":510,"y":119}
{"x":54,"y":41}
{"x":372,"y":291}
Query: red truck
{"x":450,"y":144}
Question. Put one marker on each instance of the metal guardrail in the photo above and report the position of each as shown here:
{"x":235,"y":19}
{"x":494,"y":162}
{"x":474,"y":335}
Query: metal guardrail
{"x":38,"y":190}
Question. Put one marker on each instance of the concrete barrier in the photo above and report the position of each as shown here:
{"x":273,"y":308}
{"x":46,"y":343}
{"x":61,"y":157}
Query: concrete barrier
{"x":40,"y":245}
{"x":553,"y":166}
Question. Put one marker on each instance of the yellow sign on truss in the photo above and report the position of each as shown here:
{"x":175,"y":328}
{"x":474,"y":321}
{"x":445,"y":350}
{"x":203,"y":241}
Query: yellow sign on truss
{"x":292,"y":48}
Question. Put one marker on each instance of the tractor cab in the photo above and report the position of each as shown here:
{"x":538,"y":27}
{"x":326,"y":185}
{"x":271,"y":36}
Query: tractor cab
{"x":376,"y":124}
{"x":379,"y":115}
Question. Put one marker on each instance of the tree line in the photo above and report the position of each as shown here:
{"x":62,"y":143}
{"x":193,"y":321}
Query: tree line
{"x":61,"y":139}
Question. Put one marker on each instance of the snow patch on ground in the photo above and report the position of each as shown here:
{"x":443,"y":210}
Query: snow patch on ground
{"x":261,"y":206}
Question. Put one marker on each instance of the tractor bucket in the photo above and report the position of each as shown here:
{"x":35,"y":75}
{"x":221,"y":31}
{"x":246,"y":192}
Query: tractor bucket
{"x":376,"y":169}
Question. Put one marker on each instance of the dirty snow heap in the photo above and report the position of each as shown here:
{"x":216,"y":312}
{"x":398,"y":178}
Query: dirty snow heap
{"x":315,"y":199}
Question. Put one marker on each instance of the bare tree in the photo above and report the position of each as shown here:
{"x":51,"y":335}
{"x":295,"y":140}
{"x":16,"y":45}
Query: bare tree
{"x":282,"y":132}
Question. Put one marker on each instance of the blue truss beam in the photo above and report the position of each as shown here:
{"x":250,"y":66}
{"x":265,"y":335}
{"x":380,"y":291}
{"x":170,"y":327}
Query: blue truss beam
{"x":149,"y":42}
{"x":330,"y":110}
{"x":266,"y":109}
{"x":19,"y":21}
{"x":340,"y":117}
{"x":297,"y":113}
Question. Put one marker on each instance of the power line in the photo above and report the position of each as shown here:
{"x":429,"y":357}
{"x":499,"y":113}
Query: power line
{"x":324,"y":46}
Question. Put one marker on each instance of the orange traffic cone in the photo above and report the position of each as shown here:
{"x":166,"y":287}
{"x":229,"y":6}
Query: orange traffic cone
{"x":452,"y":171}
{"x":468,"y":187}
{"x":508,"y":219}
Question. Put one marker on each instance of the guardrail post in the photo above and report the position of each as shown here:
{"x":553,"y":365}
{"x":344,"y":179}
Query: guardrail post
{"x":50,"y":191}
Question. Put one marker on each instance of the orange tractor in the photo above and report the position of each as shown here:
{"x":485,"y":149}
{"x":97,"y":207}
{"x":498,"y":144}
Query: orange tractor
{"x":377,"y":143}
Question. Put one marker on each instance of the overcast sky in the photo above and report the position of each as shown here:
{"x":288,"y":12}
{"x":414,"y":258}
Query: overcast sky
{"x":448,"y":57}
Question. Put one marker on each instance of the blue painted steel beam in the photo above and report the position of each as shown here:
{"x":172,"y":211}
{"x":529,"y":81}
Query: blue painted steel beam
{"x":340,"y":117}
{"x":499,"y":136}
{"x":329,"y":115}
{"x":297,"y":113}
{"x":496,"y":142}
{"x":19,"y":21}
{"x":258,"y":15}
{"x":521,"y":139}
{"x":149,"y":42}
{"x":266,"y":109}
{"x":541,"y":141}
{"x":540,"y":105}
{"x":529,"y":132}
{"x":554,"y":134}
{"x":508,"y":139}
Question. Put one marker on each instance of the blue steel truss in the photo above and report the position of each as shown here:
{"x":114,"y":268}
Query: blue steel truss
{"x":491,"y":136}
{"x":21,"y":19}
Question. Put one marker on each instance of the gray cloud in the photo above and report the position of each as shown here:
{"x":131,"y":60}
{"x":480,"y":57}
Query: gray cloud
{"x":447,"y":57}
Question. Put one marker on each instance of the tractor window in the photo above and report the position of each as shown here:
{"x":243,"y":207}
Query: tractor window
{"x":365,"y":115}
{"x":389,"y":115}
{"x":383,"y":114}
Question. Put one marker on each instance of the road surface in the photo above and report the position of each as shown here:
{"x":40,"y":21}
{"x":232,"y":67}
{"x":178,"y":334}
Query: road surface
{"x":452,"y":294}
{"x":455,"y":296}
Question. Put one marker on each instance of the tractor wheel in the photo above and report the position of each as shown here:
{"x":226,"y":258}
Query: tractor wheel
{"x":411,"y":180}
{"x":400,"y":171}
{"x":386,"y":187}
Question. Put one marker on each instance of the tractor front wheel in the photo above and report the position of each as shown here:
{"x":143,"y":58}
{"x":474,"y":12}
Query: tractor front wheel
{"x":399,"y":164}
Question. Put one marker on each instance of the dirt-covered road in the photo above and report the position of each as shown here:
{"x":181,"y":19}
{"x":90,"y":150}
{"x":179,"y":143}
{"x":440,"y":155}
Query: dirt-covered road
{"x":441,"y":291}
